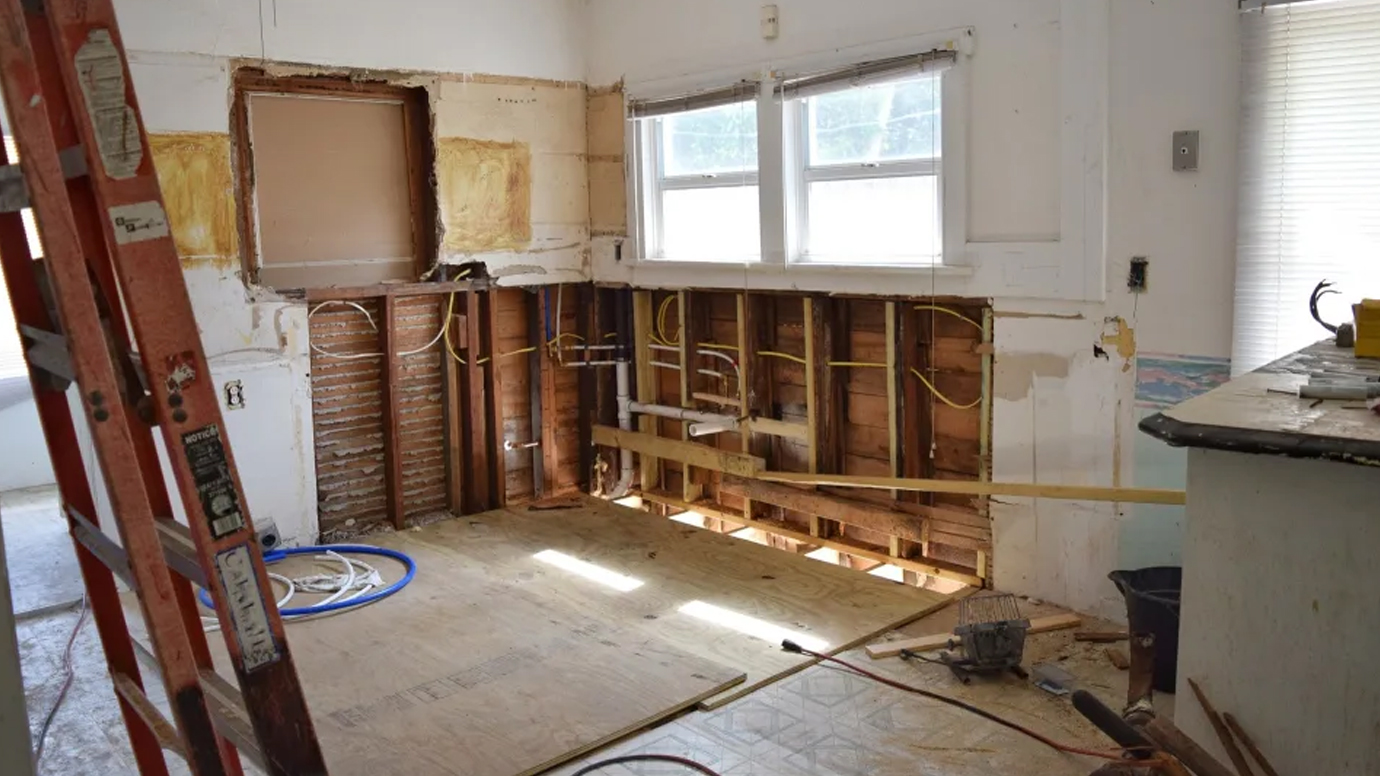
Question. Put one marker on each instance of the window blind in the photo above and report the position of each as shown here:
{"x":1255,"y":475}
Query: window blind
{"x":743,"y":91}
{"x":864,"y":73}
{"x":1310,"y":172}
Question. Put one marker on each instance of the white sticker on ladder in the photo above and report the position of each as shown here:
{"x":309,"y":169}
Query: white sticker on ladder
{"x":248,"y":614}
{"x":138,"y":222}
{"x":101,"y":70}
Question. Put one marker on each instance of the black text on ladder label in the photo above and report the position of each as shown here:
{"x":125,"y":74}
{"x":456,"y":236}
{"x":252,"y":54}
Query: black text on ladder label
{"x":138,"y":222}
{"x":248,"y":614}
{"x":220,"y":504}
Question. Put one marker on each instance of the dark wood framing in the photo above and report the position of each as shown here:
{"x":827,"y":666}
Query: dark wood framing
{"x":420,"y":151}
{"x":863,"y":411}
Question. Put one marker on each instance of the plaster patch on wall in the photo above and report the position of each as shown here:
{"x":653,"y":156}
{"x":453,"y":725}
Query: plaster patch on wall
{"x":198,"y":192}
{"x":1117,"y":333}
{"x":1014,"y":374}
{"x":484,"y":189}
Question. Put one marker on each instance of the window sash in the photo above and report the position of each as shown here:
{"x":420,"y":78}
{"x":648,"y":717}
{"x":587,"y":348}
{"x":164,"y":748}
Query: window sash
{"x":806,"y":173}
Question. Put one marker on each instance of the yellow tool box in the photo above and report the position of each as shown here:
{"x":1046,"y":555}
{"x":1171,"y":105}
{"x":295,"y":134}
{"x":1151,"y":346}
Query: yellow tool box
{"x":1367,"y":328}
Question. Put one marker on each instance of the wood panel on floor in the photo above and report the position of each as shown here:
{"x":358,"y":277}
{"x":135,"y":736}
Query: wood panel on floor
{"x":479,"y":668}
{"x":680,"y":565}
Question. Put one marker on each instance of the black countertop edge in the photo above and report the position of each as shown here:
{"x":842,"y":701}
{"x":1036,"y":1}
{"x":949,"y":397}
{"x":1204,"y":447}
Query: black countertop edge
{"x":1240,"y":440}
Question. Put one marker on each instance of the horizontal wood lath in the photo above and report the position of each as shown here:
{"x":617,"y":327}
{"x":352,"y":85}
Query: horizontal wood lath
{"x":347,"y":414}
{"x":421,"y":426}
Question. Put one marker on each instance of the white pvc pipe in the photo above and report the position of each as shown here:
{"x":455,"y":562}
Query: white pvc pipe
{"x":625,"y":456}
{"x":715,"y":427}
{"x":680,"y":413}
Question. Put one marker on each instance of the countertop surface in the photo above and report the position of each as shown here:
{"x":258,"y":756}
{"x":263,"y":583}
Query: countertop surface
{"x":1256,"y":413}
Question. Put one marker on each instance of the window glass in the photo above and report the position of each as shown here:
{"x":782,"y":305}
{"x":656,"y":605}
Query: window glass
{"x":711,"y":223}
{"x":710,"y":141}
{"x":868,"y":220}
{"x":880,"y":123}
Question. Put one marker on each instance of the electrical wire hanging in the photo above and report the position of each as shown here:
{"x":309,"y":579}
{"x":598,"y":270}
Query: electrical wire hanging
{"x":68,"y":676}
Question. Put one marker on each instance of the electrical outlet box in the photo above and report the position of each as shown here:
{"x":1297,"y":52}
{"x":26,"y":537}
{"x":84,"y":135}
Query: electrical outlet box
{"x":1138,"y":279}
{"x":771,"y":22}
{"x":1186,"y":151}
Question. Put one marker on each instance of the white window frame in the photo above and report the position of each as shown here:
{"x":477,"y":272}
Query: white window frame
{"x":779,"y":133}
{"x":651,"y":156}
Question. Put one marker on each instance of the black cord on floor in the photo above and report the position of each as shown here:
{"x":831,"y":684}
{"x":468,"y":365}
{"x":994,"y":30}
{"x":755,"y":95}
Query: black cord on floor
{"x":646,"y":758}
{"x":68,"y":675}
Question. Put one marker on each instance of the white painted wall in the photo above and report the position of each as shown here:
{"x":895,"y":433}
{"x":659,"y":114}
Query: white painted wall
{"x":1073,"y":105}
{"x":23,"y":456}
{"x":1290,"y":654}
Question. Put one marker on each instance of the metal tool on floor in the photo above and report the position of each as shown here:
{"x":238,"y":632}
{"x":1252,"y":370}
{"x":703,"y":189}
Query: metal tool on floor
{"x":110,"y":266}
{"x":991,"y":634}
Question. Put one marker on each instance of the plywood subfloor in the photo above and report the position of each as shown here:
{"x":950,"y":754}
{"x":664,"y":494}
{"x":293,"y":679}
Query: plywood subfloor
{"x":679,"y":565}
{"x":493,"y":663}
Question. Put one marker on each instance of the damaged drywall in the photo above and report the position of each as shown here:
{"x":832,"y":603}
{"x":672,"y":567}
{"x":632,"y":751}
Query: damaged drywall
{"x":1014,"y":374}
{"x":484,"y":193}
{"x":198,"y":193}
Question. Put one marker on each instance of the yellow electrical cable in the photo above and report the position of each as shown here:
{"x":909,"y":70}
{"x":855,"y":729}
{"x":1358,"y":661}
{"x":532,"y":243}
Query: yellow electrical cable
{"x":948,"y":311}
{"x":450,"y":315}
{"x":661,"y":323}
{"x":715,"y":346}
{"x":564,"y":335}
{"x":775,"y":354}
{"x":941,"y":396}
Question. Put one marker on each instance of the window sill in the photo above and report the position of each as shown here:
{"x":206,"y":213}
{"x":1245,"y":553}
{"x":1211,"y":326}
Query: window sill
{"x":807,"y":267}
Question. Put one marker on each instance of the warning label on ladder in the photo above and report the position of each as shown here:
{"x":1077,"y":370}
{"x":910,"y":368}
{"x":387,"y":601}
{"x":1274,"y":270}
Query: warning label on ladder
{"x":102,"y":72}
{"x":220,"y":503}
{"x":248,"y":614}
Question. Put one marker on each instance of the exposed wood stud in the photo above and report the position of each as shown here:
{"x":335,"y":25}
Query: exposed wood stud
{"x":453,"y":419}
{"x":392,"y":443}
{"x":646,"y":382}
{"x":539,"y":368}
{"x":475,"y":444}
{"x":914,"y":453}
{"x":493,"y":399}
{"x":689,"y":336}
{"x":589,"y":307}
{"x":821,"y":399}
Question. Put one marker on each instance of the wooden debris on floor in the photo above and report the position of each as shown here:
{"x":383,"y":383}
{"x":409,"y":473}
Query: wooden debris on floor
{"x":1101,"y":637}
{"x":1118,"y":657}
{"x":941,"y":640}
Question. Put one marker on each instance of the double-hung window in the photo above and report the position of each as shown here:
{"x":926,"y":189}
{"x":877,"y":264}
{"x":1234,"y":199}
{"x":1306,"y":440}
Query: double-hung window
{"x":842,"y":166}
{"x":700,"y":176}
{"x":869,"y":164}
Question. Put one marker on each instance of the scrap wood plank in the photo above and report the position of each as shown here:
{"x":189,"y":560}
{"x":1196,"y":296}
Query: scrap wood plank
{"x":857,"y":513}
{"x":691,"y":453}
{"x":941,"y":640}
{"x":975,"y":488}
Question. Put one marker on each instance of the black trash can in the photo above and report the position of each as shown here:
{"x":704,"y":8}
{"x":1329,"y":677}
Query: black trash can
{"x":1152,"y":606}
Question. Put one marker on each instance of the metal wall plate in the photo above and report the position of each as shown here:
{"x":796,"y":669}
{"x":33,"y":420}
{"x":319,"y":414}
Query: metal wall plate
{"x":1186,"y":151}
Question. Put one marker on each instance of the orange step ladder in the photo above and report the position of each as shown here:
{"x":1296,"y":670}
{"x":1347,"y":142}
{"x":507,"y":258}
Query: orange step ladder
{"x":110,"y":266}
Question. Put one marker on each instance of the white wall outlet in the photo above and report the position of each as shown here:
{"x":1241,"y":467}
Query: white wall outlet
{"x":771,"y":22}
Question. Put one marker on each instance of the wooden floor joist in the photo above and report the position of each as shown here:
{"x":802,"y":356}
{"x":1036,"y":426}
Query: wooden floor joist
{"x":857,"y":513}
{"x":842,"y":544}
{"x":974,"y":488}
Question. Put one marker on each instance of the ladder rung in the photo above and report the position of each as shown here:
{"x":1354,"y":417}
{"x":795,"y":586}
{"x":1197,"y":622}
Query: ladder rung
{"x":229,"y":715}
{"x":226,"y":705}
{"x":48,"y":351}
{"x":178,"y":550}
{"x":162,"y":729}
{"x":14,"y":194}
